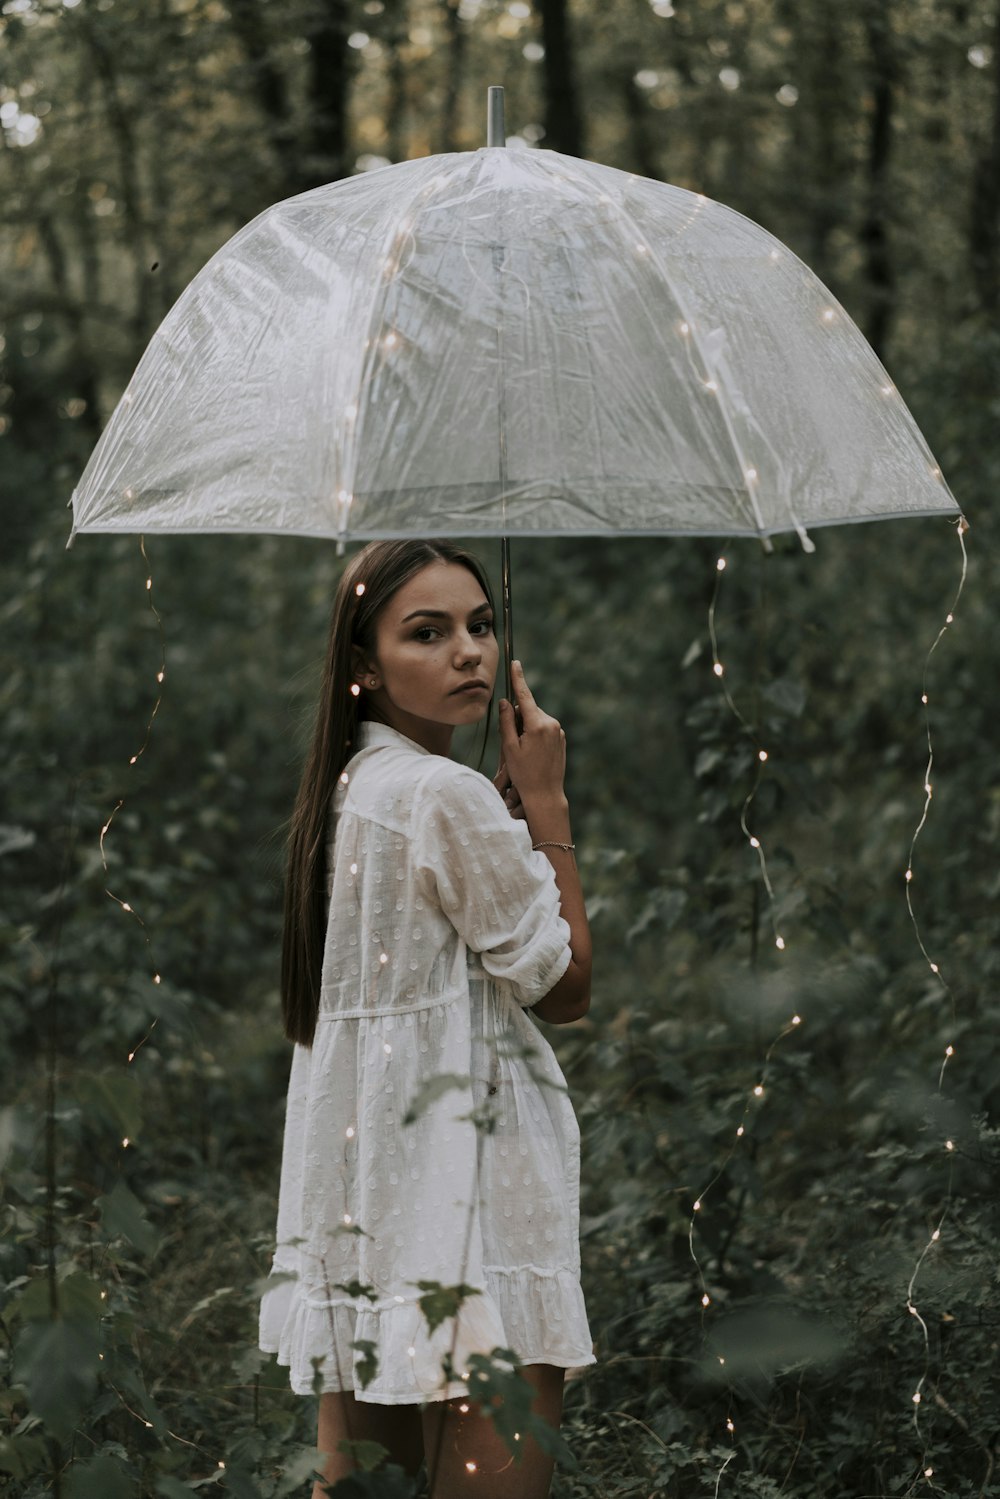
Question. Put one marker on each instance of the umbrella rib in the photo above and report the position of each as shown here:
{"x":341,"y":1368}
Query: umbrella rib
{"x":723,"y":409}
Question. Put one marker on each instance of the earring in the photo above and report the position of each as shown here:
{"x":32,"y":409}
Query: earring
{"x":372,"y":681}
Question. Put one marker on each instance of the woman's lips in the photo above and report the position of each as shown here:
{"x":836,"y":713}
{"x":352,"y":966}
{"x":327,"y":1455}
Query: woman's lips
{"x":471,"y":687}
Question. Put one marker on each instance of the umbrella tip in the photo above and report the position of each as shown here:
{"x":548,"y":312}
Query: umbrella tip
{"x":495,"y":130}
{"x":71,"y":536}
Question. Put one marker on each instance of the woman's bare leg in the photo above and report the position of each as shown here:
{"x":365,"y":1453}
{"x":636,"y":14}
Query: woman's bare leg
{"x":397,"y":1427}
{"x":467,"y":1438}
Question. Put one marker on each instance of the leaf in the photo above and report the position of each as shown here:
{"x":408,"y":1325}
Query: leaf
{"x":707,"y":760}
{"x":366,"y":1454}
{"x":440,"y":1302}
{"x":101,"y":1478}
{"x":788,"y":696}
{"x":172,"y":1488}
{"x":113,"y":1097}
{"x":20,"y":1456}
{"x":123,"y":1216}
{"x":389,"y":1482}
{"x":366,"y":1367}
{"x":505,"y":1396}
{"x":433,"y":1088}
{"x":57,"y":1362}
{"x":13,"y":840}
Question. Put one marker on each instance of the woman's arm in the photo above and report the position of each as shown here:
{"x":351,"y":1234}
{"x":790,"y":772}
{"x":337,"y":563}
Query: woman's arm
{"x":536,"y":763}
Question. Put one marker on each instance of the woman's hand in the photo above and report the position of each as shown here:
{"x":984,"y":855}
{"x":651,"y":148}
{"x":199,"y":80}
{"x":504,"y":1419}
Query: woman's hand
{"x":533,"y":760}
{"x":506,"y":788}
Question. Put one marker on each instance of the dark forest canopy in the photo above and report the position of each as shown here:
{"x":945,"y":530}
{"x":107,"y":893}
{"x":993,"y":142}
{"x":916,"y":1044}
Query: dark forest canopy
{"x":137,"y":136}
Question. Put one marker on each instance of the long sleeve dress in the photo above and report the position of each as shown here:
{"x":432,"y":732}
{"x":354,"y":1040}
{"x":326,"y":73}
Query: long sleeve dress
{"x":444,"y":926}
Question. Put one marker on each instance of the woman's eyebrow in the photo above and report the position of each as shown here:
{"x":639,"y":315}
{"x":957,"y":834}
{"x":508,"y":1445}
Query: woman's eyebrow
{"x":482,"y":608}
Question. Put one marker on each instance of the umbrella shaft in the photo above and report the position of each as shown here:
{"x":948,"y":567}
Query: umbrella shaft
{"x":508,"y":621}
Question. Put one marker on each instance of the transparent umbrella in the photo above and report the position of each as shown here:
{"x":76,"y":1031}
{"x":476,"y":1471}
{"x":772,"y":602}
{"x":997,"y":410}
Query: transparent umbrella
{"x":506,"y":342}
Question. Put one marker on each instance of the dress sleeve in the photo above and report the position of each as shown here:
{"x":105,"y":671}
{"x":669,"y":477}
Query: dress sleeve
{"x":499,"y":893}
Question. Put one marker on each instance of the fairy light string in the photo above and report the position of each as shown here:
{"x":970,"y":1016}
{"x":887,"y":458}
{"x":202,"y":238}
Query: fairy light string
{"x":925,"y":1469}
{"x":120,"y":901}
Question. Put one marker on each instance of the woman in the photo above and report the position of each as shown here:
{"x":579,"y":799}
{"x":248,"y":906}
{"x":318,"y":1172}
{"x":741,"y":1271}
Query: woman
{"x":424,"y":913}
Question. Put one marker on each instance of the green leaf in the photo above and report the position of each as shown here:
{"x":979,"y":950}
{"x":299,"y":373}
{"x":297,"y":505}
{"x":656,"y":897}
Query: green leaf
{"x":440,"y":1302}
{"x":434,"y":1088}
{"x":366,"y":1367}
{"x":366,"y":1454}
{"x":113,"y":1097}
{"x":123,"y":1216}
{"x":57,"y":1362}
{"x":22,"y":1456}
{"x":101,"y":1478}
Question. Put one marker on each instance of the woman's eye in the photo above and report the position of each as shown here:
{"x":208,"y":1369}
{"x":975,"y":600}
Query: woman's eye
{"x":484,"y":626}
{"x":425,"y":632}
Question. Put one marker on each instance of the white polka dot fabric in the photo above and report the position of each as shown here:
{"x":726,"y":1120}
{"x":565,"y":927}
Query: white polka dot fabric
{"x":444,"y":926}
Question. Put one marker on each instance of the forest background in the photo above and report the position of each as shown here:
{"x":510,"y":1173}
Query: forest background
{"x":137,"y":136}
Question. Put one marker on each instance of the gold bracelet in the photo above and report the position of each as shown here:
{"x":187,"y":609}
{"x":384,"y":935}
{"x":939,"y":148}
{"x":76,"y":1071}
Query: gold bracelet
{"x":548,"y":843}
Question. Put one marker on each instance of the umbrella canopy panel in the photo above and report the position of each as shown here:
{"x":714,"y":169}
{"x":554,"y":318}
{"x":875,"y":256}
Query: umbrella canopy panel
{"x":506,"y":342}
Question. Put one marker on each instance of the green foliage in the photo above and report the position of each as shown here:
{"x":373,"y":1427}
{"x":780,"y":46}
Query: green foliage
{"x":130,"y":1275}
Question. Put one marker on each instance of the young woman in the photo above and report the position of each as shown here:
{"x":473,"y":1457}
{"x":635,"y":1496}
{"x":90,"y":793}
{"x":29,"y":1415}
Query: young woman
{"x":429,"y":1136}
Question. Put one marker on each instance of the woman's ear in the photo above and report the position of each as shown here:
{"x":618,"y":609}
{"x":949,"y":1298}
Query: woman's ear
{"x":365,"y":673}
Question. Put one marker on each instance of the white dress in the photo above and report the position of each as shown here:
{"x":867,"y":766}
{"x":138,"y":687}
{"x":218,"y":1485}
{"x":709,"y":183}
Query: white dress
{"x":444,"y":925}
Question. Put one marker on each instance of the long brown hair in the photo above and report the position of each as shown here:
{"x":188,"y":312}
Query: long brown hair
{"x":367,"y":584}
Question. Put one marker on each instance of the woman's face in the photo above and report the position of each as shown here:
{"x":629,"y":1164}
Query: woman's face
{"x":435,"y":656}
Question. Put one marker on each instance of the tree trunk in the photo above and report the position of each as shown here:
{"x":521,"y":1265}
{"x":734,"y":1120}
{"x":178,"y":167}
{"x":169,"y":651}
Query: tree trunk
{"x":875,"y":224}
{"x":563,"y":125}
{"x":250,"y":26}
{"x":330,"y":75}
{"x":984,"y":217}
{"x":394,"y":32}
{"x":135,"y":232}
{"x":454,"y":74}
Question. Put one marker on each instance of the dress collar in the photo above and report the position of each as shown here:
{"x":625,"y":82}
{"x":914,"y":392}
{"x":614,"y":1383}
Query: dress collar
{"x":371,"y":732}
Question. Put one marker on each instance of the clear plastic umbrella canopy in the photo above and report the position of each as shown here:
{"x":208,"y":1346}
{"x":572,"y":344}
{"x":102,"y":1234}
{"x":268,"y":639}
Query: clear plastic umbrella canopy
{"x":506,"y":342}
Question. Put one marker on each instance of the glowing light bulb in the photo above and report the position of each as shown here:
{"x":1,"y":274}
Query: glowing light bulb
{"x":383,"y":957}
{"x":133,"y":759}
{"x":729,"y":1425}
{"x":697,"y":1206}
{"x":359,"y":590}
{"x":642,"y":249}
{"x":411,"y":1352}
{"x":779,"y":943}
{"x":796,"y":1019}
{"x":685,"y":329}
{"x":949,"y":1051}
{"x":350,"y":1131}
{"x":711,"y":385}
{"x":399,"y":1298}
{"x":758,"y":1092}
{"x":344,"y":778}
{"x":131,"y":1056}
{"x":149,"y":584}
{"x":936,"y":1235}
{"x":159,"y":676}
{"x":390,"y":341}
{"x":949,"y":619}
{"x":762,"y":755}
{"x":720,"y":566}
{"x":828,"y":314}
{"x":916,"y":1397}
{"x":463,"y":1408}
{"x":718,"y":668}
{"x":887,"y":390}
{"x":706,"y":1299}
{"x":156,"y":978}
{"x":908,"y":876}
{"x":775,"y":255}
{"x":355,"y":690}
{"x":104,"y":1295}
{"x":739,"y":1131}
{"x":354,"y":869}
{"x":470,"y":1467}
{"x":923,"y":698}
{"x":751,"y":474}
{"x":126,"y":906}
{"x":387,"y":1049}
{"x":347,"y":1217}
{"x":936,"y":969}
{"x":125,"y":1143}
{"x":949,"y":1145}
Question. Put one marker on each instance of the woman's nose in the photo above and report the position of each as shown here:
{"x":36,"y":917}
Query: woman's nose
{"x":470,"y":648}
